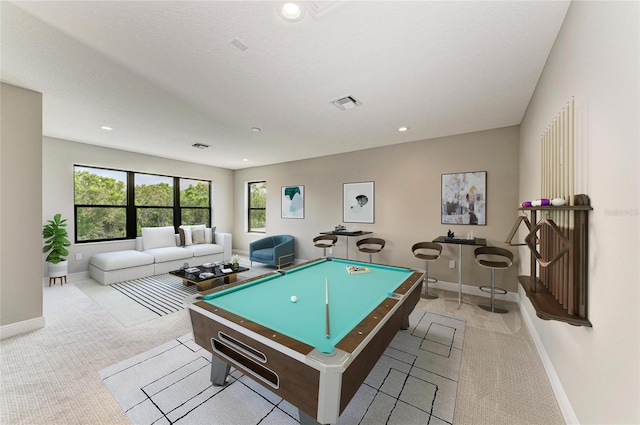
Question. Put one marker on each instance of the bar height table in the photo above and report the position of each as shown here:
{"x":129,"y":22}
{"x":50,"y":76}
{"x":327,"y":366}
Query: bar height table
{"x":347,"y":234}
{"x":460,"y":242}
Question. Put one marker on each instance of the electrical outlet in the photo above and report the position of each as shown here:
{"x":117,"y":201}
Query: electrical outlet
{"x":78,"y":256}
{"x":452,"y":264}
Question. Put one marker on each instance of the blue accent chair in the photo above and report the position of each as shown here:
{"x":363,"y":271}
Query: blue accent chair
{"x":275,"y":250}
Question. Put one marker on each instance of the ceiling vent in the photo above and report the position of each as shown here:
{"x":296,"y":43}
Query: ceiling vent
{"x":200,"y":145}
{"x":348,"y":102}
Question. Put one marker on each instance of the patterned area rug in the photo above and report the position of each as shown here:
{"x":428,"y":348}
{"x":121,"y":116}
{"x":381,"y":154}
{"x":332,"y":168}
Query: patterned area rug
{"x":414,"y":382}
{"x":141,"y":300}
{"x":162,"y":294}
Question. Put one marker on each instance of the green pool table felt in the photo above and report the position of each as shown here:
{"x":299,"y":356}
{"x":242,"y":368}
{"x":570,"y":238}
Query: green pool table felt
{"x":352,"y":297}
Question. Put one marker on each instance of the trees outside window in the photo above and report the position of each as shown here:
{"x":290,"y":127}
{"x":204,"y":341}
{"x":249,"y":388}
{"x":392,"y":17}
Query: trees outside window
{"x":153,"y":200}
{"x":114,"y":204}
{"x":100,"y":204}
{"x":257,"y":207}
{"x":194,"y":201}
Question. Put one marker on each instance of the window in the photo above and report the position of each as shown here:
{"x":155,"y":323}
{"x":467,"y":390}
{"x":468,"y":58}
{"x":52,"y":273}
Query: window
{"x":113,"y":204}
{"x":257,"y":202}
{"x":194,"y":201}
{"x":154,"y":201}
{"x":100,"y":204}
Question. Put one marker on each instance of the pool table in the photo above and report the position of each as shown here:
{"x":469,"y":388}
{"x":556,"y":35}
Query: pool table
{"x":316,"y":350}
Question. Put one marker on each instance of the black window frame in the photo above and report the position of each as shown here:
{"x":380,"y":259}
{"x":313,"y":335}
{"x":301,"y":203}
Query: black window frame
{"x":251,"y":208}
{"x":131,"y":209}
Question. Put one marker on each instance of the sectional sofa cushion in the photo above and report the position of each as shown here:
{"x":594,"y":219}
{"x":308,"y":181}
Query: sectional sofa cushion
{"x":158,"y":237}
{"x":120,"y":260}
{"x":165,"y":254}
{"x":200,"y":250}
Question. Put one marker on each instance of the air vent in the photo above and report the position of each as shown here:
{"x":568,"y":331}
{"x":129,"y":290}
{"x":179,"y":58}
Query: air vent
{"x":200,"y":145}
{"x":348,"y":102}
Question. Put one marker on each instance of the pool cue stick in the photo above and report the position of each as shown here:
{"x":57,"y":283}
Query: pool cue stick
{"x":326,"y":292}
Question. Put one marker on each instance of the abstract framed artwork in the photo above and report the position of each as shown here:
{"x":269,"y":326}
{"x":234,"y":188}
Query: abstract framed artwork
{"x":358,"y":202}
{"x":464,"y":198}
{"x":292,"y":201}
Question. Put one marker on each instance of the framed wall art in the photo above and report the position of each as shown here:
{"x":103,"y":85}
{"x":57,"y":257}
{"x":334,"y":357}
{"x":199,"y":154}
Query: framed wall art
{"x":358,"y":202}
{"x":292,"y":201}
{"x":464,"y":198}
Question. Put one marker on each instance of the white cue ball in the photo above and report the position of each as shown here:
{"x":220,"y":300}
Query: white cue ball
{"x":294,"y":299}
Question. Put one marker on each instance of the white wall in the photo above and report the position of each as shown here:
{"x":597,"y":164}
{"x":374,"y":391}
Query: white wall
{"x":407,"y":199}
{"x":595,"y":59}
{"x":20,"y":210}
{"x":57,"y":197}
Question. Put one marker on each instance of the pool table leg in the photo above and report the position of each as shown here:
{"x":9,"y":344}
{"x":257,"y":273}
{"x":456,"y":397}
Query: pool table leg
{"x":306,"y":419}
{"x":405,"y":323}
{"x":219,"y":371}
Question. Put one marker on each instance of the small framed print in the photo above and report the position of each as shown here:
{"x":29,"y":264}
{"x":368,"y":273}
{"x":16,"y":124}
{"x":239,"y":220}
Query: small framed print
{"x":358,"y":202}
{"x":292,"y":201}
{"x":464,"y":198}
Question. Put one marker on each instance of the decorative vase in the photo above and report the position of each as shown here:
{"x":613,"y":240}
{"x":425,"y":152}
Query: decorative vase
{"x":59,"y":270}
{"x":235,"y":265}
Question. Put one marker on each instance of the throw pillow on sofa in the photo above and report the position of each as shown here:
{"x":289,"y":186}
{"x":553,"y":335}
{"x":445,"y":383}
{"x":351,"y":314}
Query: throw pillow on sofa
{"x":188,"y":231}
{"x":197,"y":236}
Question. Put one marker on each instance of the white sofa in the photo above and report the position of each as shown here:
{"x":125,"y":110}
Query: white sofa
{"x":159,"y":250}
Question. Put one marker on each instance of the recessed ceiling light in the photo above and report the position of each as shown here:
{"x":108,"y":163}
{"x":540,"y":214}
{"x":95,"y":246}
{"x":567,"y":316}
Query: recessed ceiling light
{"x":403,"y":128}
{"x":106,"y":127}
{"x":245,"y":159}
{"x":256,"y":129}
{"x":291,"y":12}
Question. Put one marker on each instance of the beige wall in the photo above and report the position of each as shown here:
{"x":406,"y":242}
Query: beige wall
{"x":60,"y":157}
{"x":595,"y":59}
{"x":20,"y":209}
{"x":407,"y":198}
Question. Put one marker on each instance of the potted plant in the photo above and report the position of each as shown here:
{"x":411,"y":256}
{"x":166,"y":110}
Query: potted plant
{"x":56,"y":244}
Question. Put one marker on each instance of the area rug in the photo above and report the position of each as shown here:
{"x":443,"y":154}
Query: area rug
{"x":414,"y":382}
{"x":162,"y":294}
{"x":140,"y":300}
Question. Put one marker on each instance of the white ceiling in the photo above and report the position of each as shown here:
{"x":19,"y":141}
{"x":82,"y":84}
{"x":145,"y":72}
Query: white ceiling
{"x":165,"y":75}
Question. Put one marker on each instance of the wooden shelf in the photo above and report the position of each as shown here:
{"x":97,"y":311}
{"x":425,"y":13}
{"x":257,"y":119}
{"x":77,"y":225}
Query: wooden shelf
{"x":546,"y":306}
{"x":560,"y":208}
{"x":558,"y":283}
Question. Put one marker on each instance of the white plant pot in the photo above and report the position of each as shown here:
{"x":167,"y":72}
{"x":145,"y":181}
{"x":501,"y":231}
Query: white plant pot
{"x":59,"y":270}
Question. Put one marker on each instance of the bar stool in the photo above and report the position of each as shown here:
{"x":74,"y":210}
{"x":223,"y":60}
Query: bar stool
{"x":324,"y":242}
{"x":370,"y":246}
{"x":486,"y":257}
{"x":427,"y":251}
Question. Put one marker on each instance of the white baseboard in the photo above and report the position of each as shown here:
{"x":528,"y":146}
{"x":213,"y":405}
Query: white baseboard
{"x":561,"y":396}
{"x":18,"y":328}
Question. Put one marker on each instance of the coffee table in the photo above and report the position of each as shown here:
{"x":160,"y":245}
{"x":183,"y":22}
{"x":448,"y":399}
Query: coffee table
{"x":203,"y":284}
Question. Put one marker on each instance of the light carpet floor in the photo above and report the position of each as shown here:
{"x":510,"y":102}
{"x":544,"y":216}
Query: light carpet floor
{"x":50,"y":376}
{"x":414,"y":382}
